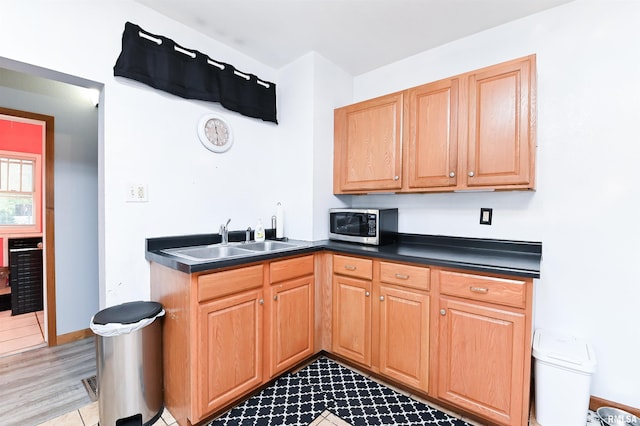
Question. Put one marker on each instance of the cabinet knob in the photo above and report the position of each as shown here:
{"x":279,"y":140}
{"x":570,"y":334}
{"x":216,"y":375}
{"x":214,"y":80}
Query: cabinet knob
{"x":275,"y":297}
{"x":471,"y":174}
{"x":452,"y":174}
{"x":396,"y":177}
{"x":443,"y":312}
{"x":382,"y":298}
{"x":261,"y":301}
{"x":367,"y":294}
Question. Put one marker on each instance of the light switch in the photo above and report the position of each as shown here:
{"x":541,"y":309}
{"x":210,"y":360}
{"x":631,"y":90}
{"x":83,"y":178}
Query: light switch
{"x":485,"y":216}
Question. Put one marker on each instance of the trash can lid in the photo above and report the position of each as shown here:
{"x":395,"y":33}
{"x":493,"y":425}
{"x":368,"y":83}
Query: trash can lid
{"x":563,"y":351}
{"x":127,"y":313}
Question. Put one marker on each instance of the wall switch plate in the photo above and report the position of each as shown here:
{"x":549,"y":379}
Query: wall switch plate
{"x":485,"y":216}
{"x":137,"y":193}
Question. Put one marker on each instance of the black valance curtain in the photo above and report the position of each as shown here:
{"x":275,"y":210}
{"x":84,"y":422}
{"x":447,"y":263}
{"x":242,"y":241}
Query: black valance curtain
{"x":162,"y":64}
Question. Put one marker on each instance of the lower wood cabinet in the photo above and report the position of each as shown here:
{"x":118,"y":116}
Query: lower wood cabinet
{"x":291,"y":324}
{"x":391,"y":309}
{"x":458,"y":337}
{"x":404,"y":336}
{"x":484,"y":345}
{"x":351,"y":335}
{"x":223,"y":329}
{"x":229,"y":349}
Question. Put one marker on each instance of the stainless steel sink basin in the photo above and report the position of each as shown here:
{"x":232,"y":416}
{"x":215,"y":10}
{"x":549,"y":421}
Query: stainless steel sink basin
{"x":230,"y":250}
{"x":212,"y":252}
{"x":267,"y":246}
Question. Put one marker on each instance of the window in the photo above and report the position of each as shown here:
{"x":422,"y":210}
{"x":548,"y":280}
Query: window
{"x":20,"y":192}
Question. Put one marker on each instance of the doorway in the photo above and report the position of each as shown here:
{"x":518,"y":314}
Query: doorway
{"x":27,"y":230}
{"x":74,"y":102}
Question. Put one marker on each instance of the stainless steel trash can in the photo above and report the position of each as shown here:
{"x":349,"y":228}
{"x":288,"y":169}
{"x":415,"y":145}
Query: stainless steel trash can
{"x":129,"y":363}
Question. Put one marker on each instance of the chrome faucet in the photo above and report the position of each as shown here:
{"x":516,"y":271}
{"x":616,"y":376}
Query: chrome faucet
{"x":247,"y":235}
{"x":224,"y":232}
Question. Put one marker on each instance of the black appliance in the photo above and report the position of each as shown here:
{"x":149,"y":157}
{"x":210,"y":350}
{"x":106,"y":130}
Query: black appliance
{"x":25,"y":275}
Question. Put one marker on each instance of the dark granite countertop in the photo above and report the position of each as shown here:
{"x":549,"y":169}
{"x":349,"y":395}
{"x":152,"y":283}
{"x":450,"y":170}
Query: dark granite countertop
{"x":518,"y":258}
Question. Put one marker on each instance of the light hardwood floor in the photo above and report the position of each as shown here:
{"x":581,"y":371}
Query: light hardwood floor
{"x":20,"y":332}
{"x":44,"y":383}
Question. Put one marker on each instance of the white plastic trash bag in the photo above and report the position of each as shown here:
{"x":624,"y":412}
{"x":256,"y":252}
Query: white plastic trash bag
{"x":125,"y":318}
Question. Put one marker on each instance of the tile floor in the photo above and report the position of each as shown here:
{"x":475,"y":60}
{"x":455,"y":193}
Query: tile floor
{"x":20,"y":332}
{"x":88,"y":416}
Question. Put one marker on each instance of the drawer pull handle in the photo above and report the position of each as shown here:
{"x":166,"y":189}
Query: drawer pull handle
{"x":483,"y":290}
{"x":350,"y":267}
{"x":402,"y":276}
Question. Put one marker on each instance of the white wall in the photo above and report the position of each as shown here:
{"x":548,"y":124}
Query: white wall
{"x":76,"y":189}
{"x":150,"y":137}
{"x":585,"y":210}
{"x":332,"y":88}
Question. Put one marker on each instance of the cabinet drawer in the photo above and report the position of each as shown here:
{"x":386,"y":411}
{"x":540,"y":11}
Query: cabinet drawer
{"x":233,"y":281}
{"x":283,"y":270}
{"x":405,"y":275}
{"x":353,"y":266}
{"x":488,"y":289}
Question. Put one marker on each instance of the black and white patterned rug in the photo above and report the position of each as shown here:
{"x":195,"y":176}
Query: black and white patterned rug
{"x":299,"y":398}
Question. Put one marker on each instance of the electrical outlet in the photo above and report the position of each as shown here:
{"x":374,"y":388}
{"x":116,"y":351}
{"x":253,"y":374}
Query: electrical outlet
{"x":486,"y":216}
{"x":137,"y":193}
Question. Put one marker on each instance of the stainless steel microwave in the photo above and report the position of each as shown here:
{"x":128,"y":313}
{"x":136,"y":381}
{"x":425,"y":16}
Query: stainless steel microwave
{"x":365,"y":226}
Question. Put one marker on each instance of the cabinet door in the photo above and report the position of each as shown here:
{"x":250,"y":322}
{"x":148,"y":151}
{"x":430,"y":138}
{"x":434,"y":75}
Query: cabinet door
{"x":501,"y":143}
{"x":292,"y":323}
{"x":229,"y":349}
{"x":404,"y":336}
{"x":368,"y":145}
{"x":352,"y":319}
{"x":432,"y":151}
{"x":481,"y":359}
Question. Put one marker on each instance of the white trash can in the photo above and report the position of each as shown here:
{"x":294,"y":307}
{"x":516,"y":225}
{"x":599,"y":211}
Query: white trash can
{"x":129,"y":363}
{"x":563,"y":368}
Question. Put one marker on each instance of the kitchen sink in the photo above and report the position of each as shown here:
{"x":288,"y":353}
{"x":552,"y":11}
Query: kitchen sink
{"x":211,"y":252}
{"x":267,"y":246}
{"x":230,"y":250}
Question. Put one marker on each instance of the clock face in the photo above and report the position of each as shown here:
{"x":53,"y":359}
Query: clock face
{"x":215,"y":133}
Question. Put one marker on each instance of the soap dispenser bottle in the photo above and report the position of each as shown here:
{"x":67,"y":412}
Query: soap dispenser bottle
{"x":259,"y":233}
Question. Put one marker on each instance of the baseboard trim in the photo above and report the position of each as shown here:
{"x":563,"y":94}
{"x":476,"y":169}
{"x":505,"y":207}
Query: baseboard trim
{"x":595,"y":403}
{"x":74,"y":336}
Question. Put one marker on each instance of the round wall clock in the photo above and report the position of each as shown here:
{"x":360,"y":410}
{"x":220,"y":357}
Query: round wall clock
{"x":215,"y":133}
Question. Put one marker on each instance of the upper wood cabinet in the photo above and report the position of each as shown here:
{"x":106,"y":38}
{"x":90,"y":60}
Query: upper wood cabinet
{"x":432,"y":148}
{"x":471,"y":131}
{"x":500,"y":141}
{"x":368,"y":145}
